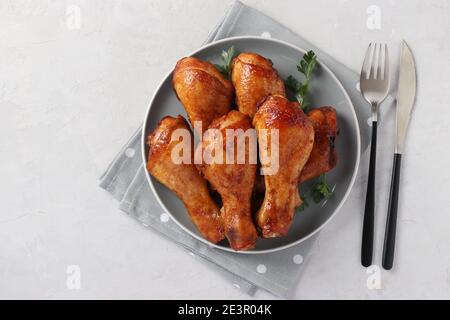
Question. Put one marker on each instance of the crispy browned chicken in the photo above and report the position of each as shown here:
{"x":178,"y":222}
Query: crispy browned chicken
{"x":296,"y":139}
{"x":254,"y":78}
{"x":323,"y":156}
{"x":202,"y":89}
{"x":233,"y":179}
{"x":183,"y":178}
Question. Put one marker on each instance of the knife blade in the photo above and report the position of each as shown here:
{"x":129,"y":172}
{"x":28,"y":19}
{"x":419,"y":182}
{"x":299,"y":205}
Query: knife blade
{"x":406,"y":95}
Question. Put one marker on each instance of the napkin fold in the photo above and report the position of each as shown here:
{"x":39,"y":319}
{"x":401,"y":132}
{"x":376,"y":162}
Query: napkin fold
{"x":125,"y":178}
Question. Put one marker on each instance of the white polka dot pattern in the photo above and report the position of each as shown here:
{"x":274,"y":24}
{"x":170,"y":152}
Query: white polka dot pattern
{"x":130,"y":152}
{"x":164,"y":217}
{"x":298,"y":259}
{"x":261,"y":268}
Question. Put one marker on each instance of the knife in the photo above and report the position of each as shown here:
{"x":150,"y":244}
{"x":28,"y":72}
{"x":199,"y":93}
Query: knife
{"x":405,"y":101}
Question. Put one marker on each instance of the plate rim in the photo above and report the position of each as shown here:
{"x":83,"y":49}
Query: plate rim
{"x":286,"y":246}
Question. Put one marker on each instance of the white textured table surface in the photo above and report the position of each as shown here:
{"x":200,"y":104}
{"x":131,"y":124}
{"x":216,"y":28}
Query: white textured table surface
{"x":70,"y":97}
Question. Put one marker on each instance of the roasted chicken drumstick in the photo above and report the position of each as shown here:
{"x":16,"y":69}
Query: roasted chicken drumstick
{"x":233,"y":177}
{"x":323,"y":156}
{"x":254,"y":78}
{"x":202,"y":89}
{"x":295,"y":142}
{"x":183,"y":178}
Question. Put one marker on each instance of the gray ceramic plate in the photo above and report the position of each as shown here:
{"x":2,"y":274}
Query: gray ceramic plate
{"x":325,"y":89}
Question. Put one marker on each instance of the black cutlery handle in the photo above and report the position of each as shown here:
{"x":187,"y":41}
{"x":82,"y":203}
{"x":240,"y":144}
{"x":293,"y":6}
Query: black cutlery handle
{"x":391,"y":222}
{"x":368,"y":224}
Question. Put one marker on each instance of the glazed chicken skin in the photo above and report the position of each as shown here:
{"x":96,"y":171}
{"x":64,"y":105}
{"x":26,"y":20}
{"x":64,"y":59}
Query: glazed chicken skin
{"x":183,"y":178}
{"x":233,"y":180}
{"x":323,"y":156}
{"x":254,"y":79}
{"x":202,"y":89}
{"x":296,"y":139}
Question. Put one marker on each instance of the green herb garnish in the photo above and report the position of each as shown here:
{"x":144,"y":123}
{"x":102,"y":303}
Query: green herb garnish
{"x":321,"y":190}
{"x":227,"y":57}
{"x":304,"y":204}
{"x":306,"y":67}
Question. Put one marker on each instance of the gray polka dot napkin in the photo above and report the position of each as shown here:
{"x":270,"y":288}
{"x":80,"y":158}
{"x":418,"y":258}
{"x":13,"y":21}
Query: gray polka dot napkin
{"x":125,"y":178}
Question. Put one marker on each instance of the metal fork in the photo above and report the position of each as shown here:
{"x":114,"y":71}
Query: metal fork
{"x":374,"y":85}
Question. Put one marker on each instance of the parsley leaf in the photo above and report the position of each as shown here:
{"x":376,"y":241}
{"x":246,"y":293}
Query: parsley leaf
{"x":292,"y":84}
{"x":306,"y":67}
{"x":321,"y":190}
{"x":227,"y":57}
{"x":304,"y":204}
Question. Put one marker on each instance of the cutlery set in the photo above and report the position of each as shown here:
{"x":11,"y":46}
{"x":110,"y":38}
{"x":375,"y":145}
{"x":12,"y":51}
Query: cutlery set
{"x":374,"y":84}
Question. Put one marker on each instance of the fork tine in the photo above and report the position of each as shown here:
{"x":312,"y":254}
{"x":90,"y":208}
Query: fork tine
{"x":366,"y":63}
{"x":381,"y":62}
{"x":373,"y":67}
{"x":386,"y":63}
